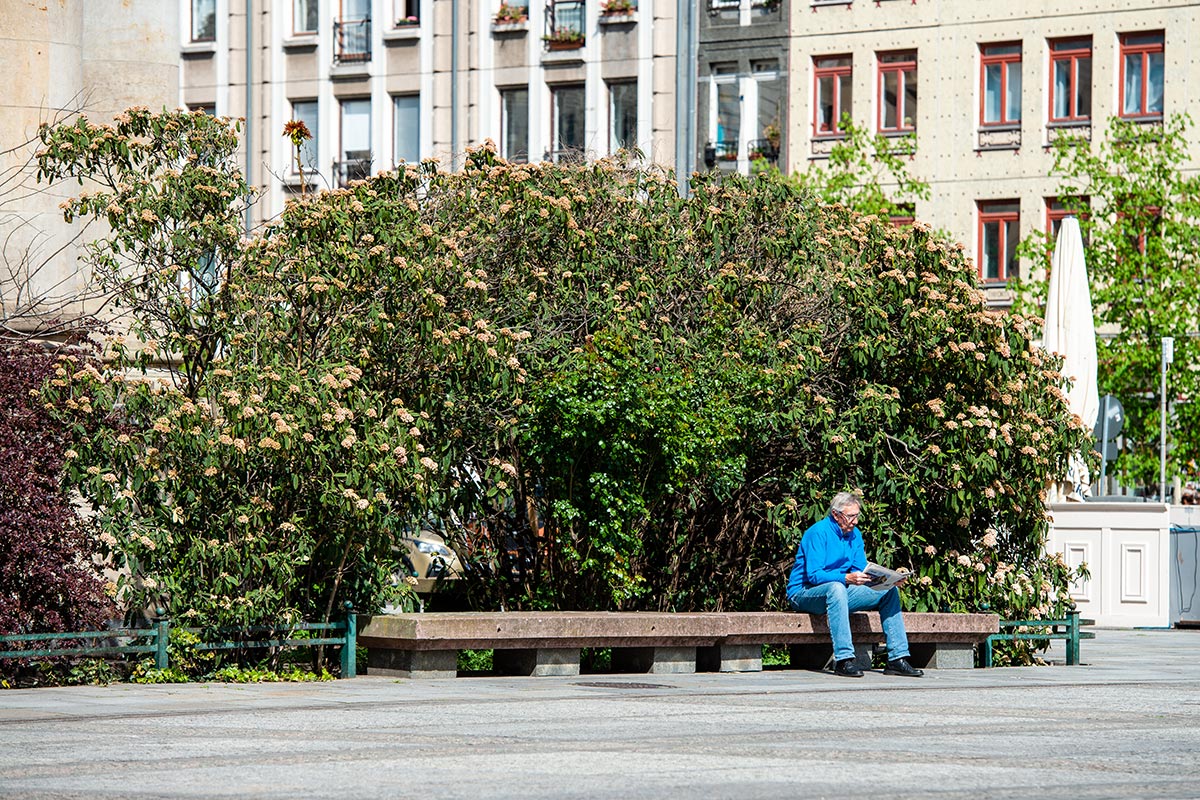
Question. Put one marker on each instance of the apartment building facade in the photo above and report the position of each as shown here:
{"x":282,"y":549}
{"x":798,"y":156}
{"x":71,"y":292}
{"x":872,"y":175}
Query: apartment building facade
{"x":986,"y":88}
{"x":742,"y":71}
{"x":384,"y":82}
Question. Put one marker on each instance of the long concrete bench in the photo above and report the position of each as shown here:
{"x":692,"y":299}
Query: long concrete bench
{"x":426,"y":645}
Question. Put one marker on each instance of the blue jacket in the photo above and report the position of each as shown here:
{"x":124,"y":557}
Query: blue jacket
{"x":825,"y":555}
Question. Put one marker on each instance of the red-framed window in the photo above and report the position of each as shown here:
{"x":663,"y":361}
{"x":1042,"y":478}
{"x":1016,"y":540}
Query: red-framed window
{"x":1142,"y":74}
{"x":1000,"y":84}
{"x":1071,"y":80}
{"x":832,"y":93}
{"x":897,"y":91}
{"x":999,"y":234}
{"x":905,"y":214}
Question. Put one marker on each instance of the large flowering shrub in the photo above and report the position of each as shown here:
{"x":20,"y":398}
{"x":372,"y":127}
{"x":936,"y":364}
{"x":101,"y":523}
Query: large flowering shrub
{"x":638,"y":400}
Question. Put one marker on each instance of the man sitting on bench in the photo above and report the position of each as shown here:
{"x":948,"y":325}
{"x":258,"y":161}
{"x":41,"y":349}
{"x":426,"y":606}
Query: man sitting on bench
{"x":828,"y":578}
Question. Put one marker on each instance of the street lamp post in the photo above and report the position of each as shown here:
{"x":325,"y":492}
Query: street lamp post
{"x":1168,"y":355}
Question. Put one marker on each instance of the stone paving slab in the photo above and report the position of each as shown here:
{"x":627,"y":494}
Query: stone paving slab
{"x":1125,"y":724}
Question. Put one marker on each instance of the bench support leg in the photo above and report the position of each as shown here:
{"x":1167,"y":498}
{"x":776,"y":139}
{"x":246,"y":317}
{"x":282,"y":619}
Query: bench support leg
{"x":946,"y":655}
{"x":542,"y":662}
{"x":729,"y":658}
{"x":417,"y":664}
{"x":654,"y":660}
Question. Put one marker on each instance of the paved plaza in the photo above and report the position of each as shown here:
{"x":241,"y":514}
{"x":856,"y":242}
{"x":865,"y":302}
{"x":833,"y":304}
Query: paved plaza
{"x":1125,"y":724}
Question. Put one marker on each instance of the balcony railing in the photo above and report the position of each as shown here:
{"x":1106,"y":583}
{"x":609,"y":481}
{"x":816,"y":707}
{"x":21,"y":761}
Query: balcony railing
{"x":355,"y":167}
{"x":351,"y":41}
{"x":763,"y":148}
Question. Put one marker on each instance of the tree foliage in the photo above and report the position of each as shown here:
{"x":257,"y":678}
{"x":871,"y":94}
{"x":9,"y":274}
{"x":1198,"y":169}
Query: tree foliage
{"x":646,"y":398}
{"x":49,"y":581}
{"x":1139,"y":212}
{"x":860,"y":165}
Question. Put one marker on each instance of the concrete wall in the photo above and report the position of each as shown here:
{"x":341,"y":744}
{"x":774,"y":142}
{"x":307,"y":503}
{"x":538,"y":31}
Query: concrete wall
{"x":60,"y":58}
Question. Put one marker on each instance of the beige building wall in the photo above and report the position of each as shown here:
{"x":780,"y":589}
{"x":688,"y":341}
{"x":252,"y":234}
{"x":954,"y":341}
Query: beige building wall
{"x":962,"y":165}
{"x":58,"y":59}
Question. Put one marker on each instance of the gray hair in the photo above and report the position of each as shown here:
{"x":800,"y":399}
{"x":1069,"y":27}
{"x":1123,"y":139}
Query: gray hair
{"x":843,"y":500}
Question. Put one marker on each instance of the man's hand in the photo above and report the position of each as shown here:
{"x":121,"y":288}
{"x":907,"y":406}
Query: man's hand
{"x":858,"y":579}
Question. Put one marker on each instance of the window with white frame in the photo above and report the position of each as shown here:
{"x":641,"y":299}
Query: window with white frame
{"x":768,"y":99}
{"x":354,"y":159}
{"x":306,"y":111}
{"x":407,"y":12}
{"x":305,"y":17}
{"x":623,"y":116}
{"x":726,"y":96}
{"x":514,"y":124}
{"x":407,"y":127}
{"x":1000,"y":76}
{"x":204,"y":20}
{"x":568,"y":108}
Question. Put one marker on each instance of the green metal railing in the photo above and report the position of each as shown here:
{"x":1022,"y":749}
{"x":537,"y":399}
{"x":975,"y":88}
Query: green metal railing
{"x":154,"y":640}
{"x":1066,"y":629}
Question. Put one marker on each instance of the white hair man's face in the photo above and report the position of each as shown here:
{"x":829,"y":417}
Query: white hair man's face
{"x":847,"y":518}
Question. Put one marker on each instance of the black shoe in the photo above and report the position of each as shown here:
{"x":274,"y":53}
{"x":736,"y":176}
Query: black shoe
{"x":900,"y":666}
{"x":848,"y":668}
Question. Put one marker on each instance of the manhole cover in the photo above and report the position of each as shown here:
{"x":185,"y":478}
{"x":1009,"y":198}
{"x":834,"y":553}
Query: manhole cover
{"x":623,"y":685}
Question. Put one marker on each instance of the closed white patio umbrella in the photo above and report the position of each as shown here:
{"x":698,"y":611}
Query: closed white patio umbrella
{"x":1070,"y":331}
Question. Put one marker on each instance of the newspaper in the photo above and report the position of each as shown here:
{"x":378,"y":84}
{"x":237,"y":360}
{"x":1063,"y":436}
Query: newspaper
{"x":883,"y":578}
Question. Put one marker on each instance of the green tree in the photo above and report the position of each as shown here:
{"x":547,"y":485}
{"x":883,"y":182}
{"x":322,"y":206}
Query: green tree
{"x":860,"y":165}
{"x":1139,"y":211}
{"x":675,"y":387}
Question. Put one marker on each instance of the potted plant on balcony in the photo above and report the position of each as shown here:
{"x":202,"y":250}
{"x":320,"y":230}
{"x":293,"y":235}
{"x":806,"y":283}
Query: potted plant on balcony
{"x":510,"y":15}
{"x":407,"y":22}
{"x":773,"y":134}
{"x":564,"y":39}
{"x":618,"y":8}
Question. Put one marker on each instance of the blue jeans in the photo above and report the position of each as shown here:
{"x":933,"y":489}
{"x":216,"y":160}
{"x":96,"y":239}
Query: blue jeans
{"x":837,"y":600}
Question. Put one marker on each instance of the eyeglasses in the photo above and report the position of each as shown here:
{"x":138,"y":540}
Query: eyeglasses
{"x":849,"y":517}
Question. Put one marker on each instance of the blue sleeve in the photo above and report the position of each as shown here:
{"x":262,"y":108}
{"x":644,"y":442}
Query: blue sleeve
{"x":817,"y":555}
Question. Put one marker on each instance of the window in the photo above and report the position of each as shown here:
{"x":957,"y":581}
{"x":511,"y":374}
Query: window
{"x":568,"y":123}
{"x":832,"y":94}
{"x":1070,"y":80}
{"x":623,"y":122}
{"x":306,"y":111}
{"x":407,"y":12}
{"x":407,"y":128}
{"x":204,"y":20}
{"x":727,"y":100}
{"x":352,"y":32}
{"x":769,"y":100}
{"x":1142,"y":74}
{"x":354,"y":162}
{"x":564,"y":21}
{"x":304,"y":16}
{"x":1000,"y":67}
{"x":514,"y":124}
{"x":208,"y":108}
{"x":903,"y":215}
{"x":897,"y":92}
{"x":999,"y":233}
